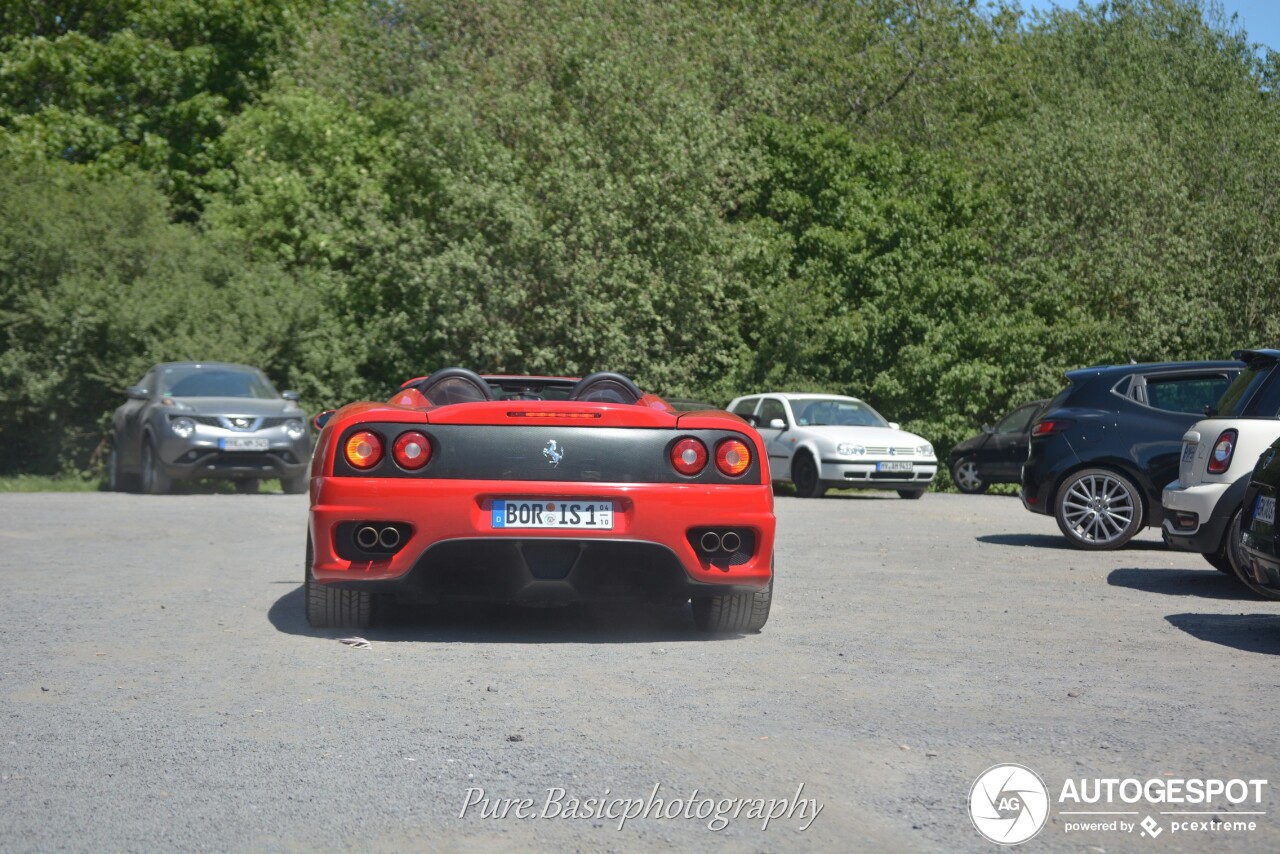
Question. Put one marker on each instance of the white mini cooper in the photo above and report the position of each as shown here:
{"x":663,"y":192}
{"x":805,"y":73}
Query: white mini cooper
{"x":828,"y":441}
{"x":1203,"y":508}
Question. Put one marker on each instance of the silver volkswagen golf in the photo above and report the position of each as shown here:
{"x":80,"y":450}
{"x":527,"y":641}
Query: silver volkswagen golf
{"x":189,"y":420}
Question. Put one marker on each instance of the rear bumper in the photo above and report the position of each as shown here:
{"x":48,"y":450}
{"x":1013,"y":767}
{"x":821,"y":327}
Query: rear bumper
{"x":1195,"y":518}
{"x":1263,"y":565}
{"x":450,"y":548}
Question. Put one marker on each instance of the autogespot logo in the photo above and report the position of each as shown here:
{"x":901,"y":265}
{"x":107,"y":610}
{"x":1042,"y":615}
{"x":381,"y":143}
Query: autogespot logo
{"x":1009,"y":804}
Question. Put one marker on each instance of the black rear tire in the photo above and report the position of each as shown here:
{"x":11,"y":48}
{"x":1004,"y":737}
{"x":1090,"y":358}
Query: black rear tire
{"x":733,"y":612}
{"x":295,"y":485}
{"x":1239,"y":561}
{"x":1219,"y":561}
{"x":328,"y":607}
{"x":117,"y":480}
{"x":154,"y":479}
{"x":804,"y":474}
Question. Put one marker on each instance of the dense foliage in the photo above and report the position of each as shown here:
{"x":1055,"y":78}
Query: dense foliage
{"x":932,"y":204}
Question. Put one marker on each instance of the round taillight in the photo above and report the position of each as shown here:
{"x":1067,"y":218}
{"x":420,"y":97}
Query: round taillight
{"x":364,"y":449}
{"x":1223,"y":450}
{"x":689,"y":456}
{"x":412,"y":450}
{"x":733,"y":457}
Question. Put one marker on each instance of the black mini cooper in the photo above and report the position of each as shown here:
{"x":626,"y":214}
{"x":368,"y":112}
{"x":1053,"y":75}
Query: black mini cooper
{"x":1260,"y":539}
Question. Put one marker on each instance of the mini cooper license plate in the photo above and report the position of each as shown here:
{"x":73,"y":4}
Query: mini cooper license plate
{"x":552,"y":513}
{"x":1266,"y":510}
{"x":1189,"y":452}
{"x":895,"y":467}
{"x":243,"y":443}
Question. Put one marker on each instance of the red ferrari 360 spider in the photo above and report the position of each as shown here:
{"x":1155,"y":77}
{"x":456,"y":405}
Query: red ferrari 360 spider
{"x":538,"y":490}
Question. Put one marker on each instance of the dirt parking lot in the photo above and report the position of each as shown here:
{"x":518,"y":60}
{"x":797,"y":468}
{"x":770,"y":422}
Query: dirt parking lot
{"x":160,"y":691}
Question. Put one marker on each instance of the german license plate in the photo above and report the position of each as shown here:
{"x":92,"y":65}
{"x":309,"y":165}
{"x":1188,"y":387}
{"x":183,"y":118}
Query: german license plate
{"x":895,"y":466}
{"x":552,"y":513}
{"x":1266,"y":510}
{"x":243,"y":443}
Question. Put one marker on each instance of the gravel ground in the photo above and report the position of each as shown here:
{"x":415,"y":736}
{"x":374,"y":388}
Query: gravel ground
{"x":160,"y":691}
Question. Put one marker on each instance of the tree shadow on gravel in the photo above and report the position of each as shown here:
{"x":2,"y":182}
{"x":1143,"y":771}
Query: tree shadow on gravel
{"x":605,"y":622}
{"x":1246,"y":632}
{"x":1205,"y":583}
{"x":1057,"y":541}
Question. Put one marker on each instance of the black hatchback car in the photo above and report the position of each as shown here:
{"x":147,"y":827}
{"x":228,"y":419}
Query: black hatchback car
{"x":1260,"y":538}
{"x":996,"y":454}
{"x":1104,"y":448}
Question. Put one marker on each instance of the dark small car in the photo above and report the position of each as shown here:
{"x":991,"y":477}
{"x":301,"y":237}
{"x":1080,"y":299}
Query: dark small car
{"x":1103,"y":449}
{"x":996,"y":454}
{"x":1260,"y":538}
{"x":190,"y":420}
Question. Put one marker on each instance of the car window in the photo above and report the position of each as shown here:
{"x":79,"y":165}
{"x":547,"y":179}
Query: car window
{"x":1185,"y":393}
{"x":771,"y":408}
{"x":828,"y":412}
{"x":1266,"y":403}
{"x":746,"y":407}
{"x":191,"y":381}
{"x":1060,"y":399}
{"x":1238,"y":399}
{"x":1018,"y":420}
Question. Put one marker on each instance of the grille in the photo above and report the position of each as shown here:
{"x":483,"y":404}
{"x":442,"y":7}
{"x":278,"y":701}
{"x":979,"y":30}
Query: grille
{"x":905,"y":452}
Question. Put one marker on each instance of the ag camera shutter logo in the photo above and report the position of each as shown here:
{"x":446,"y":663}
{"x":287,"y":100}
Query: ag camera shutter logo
{"x":1009,"y":804}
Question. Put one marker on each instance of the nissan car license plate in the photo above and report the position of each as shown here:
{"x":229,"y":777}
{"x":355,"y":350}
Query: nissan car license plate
{"x":1266,"y":510}
{"x":895,"y":466}
{"x":552,"y":513}
{"x":243,"y":443}
{"x":1189,"y":452}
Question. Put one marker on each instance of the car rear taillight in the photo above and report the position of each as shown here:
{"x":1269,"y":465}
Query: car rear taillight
{"x":412,"y":450}
{"x":689,"y":456}
{"x":1050,"y":426}
{"x":733,"y":457}
{"x":1223,"y":450}
{"x":363,"y":450}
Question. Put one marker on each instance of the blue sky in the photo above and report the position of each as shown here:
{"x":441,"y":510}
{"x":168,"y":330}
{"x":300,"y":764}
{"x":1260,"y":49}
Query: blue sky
{"x":1259,"y":18}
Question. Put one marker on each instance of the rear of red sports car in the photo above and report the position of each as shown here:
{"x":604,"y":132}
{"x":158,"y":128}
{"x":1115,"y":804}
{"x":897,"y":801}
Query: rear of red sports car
{"x":538,"y":500}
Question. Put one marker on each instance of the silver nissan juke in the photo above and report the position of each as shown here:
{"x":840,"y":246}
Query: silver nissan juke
{"x":190,"y":420}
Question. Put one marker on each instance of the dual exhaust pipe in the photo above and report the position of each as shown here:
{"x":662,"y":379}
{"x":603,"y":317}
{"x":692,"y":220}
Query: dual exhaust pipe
{"x":712,"y":542}
{"x":371,"y":539}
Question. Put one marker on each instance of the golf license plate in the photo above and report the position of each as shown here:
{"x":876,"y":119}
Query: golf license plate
{"x":907,"y":467}
{"x":243,"y":443}
{"x":1266,"y":510}
{"x":552,"y":513}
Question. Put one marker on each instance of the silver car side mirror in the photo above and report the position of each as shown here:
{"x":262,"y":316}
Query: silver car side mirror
{"x":777,"y":424}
